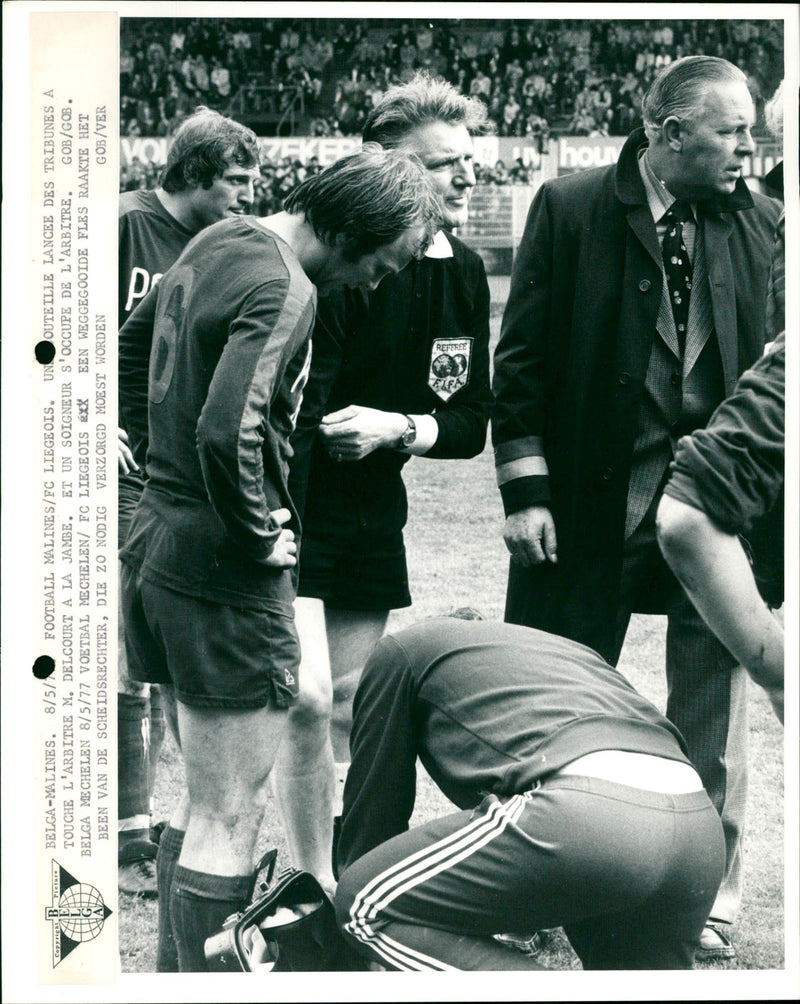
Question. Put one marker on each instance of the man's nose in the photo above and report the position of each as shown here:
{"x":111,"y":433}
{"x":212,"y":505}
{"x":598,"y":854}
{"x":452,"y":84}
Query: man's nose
{"x":746,"y":143}
{"x":465,"y":174}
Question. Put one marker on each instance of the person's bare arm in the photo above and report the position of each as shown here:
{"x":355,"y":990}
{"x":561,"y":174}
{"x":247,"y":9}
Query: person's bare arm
{"x":713,"y":569}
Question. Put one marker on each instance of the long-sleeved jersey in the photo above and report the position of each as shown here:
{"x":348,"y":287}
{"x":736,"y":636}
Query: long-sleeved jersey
{"x":733,"y":470}
{"x":229,"y":326}
{"x":150,"y":240}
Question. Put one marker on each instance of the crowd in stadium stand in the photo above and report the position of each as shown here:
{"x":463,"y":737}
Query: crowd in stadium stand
{"x":537,"y":78}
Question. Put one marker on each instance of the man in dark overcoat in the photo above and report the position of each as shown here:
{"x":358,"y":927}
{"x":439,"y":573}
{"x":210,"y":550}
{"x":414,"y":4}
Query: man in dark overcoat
{"x":605,"y":360}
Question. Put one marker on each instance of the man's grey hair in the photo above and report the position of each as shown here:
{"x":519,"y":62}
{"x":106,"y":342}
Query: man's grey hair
{"x":773,"y":112}
{"x":679,"y":90}
{"x":421,"y":100}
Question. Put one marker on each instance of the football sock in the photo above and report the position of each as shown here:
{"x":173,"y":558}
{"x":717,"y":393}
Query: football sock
{"x":169,"y":850}
{"x":199,"y":904}
{"x":133,"y":730}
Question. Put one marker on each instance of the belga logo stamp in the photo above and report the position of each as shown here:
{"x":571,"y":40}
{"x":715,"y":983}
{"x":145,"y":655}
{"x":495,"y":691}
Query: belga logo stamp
{"x":78,"y":912}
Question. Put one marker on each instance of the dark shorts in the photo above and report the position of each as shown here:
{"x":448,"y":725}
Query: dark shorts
{"x":355,"y":571}
{"x":130,"y":491}
{"x":215,"y":656}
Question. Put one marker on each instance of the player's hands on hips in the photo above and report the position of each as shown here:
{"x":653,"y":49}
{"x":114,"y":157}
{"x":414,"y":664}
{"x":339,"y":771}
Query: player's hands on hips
{"x":125,"y":462}
{"x":352,"y":433}
{"x":284,"y":553}
{"x":530,"y":536}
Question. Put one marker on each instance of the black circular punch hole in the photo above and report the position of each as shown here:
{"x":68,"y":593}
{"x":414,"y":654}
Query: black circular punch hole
{"x":45,"y":352}
{"x":43,"y":667}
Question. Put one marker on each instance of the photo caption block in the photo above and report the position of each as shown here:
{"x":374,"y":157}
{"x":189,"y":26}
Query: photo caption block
{"x":74,"y":183}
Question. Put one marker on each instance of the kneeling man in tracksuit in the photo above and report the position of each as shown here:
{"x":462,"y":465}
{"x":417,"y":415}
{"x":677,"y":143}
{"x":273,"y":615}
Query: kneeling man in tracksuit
{"x":578,"y":807}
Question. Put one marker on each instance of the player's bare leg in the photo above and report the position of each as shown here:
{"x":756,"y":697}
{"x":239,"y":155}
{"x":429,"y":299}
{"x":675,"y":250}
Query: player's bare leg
{"x":303,"y":778}
{"x":228,"y":757}
{"x":352,"y":635}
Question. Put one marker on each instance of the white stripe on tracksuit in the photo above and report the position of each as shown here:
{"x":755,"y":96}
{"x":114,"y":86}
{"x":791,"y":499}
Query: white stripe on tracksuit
{"x":416,"y":869}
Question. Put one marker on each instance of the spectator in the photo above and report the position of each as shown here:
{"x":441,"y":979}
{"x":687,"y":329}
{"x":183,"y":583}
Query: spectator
{"x":481,"y":84}
{"x":511,"y":109}
{"x":499,"y":175}
{"x":599,"y":129}
{"x":220,"y":80}
{"x":513,"y":74}
{"x":408,"y":57}
{"x":521,"y":173}
{"x":663,"y":57}
{"x":176,"y":41}
{"x":241,"y":40}
{"x":200,"y":77}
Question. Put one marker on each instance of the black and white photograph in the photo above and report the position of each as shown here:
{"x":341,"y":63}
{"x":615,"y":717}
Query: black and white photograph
{"x":400,"y":541}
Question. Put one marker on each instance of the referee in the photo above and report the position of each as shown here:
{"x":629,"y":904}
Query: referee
{"x":398,"y":372}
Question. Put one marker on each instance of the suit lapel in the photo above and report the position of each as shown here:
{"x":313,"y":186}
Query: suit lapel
{"x":635,"y":344}
{"x":716,"y":231}
{"x":640,"y":220}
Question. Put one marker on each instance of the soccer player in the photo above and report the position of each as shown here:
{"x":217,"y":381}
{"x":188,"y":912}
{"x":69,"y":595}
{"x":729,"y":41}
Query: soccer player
{"x":208,"y":582}
{"x":577,"y":807}
{"x":211,"y":166}
{"x":399,"y":372}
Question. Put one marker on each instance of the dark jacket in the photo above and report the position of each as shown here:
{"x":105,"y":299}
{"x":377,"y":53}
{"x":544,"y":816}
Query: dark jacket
{"x":389,"y":349}
{"x":571,"y":363}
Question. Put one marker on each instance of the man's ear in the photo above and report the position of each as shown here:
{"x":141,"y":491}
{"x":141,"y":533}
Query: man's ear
{"x":190,"y":176}
{"x":673,"y":130}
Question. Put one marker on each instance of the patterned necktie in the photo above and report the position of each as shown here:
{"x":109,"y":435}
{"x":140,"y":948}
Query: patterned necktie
{"x":678,"y":268}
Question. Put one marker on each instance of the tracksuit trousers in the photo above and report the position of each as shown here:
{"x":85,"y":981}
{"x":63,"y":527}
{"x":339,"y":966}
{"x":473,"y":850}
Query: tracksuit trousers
{"x":629,"y":874}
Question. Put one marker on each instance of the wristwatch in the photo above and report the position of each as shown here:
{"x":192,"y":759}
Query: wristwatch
{"x":409,"y":435}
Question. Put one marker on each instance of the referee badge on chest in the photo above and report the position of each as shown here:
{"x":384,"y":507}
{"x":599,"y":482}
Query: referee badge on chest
{"x":451,"y":359}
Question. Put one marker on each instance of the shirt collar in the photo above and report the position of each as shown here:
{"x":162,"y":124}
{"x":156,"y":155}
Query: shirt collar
{"x":659,"y":197}
{"x":439,"y":247}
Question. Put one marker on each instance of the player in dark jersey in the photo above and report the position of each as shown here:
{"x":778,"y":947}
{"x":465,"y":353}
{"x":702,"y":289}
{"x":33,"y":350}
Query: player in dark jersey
{"x":211,"y":166}
{"x":577,"y":807}
{"x":207,"y":578}
{"x":399,"y":372}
